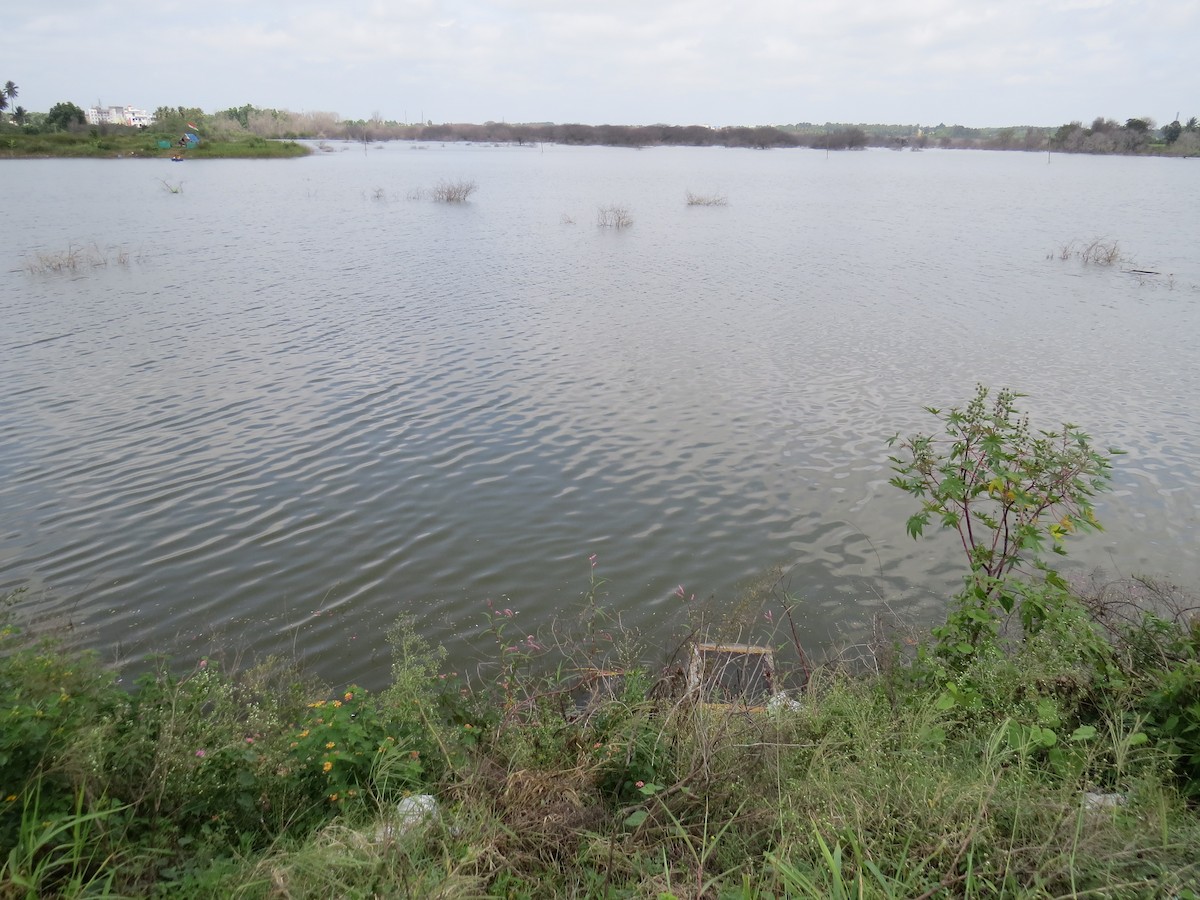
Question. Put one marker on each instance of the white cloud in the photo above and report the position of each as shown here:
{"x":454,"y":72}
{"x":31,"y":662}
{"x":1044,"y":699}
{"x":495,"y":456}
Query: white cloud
{"x":975,"y":61}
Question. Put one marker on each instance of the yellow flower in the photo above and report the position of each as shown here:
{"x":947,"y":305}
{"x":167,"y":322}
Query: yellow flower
{"x":329,"y":746}
{"x":349,"y":696}
{"x":337,"y":702}
{"x":10,"y":798}
{"x":328,"y":765}
{"x":333,"y":797}
{"x":304,"y":733}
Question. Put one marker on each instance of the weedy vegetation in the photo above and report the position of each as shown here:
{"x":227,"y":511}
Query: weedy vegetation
{"x":1100,"y":252}
{"x":74,"y":259}
{"x":1042,"y":742}
{"x":694,"y":199}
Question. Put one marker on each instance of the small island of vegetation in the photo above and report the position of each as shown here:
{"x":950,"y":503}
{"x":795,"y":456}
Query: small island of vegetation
{"x":64,"y":132}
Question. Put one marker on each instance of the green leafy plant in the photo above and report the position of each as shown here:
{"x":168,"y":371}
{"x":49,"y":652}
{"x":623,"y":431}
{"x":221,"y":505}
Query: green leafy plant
{"x":1010,"y":493}
{"x":1173,"y":710}
{"x":339,"y":743}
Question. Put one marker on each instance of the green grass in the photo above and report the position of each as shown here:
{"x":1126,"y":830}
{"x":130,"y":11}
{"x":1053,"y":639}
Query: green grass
{"x":83,"y":145}
{"x":264,"y":783}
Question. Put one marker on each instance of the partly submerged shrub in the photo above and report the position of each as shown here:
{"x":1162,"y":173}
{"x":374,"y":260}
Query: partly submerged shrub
{"x":453,"y":191}
{"x":613,"y":216}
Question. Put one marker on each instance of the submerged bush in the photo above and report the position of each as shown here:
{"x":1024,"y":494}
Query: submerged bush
{"x":613,"y":216}
{"x":453,"y":191}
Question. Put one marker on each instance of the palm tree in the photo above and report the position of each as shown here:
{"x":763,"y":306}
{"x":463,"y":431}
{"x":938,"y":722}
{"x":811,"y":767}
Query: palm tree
{"x":10,"y":92}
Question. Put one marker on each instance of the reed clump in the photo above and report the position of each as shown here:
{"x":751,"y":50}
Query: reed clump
{"x":694,"y":199}
{"x":76,"y":259}
{"x":1099,"y":251}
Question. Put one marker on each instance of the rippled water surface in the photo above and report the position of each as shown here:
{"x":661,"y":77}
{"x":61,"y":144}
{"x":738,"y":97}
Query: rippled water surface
{"x":299,"y":400}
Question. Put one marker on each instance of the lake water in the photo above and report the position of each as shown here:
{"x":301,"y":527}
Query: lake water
{"x":297,"y":401}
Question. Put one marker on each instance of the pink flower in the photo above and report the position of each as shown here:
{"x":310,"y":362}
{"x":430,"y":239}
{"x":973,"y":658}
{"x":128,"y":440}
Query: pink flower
{"x":508,"y":613}
{"x":640,"y":784}
{"x":680,"y":593}
{"x":201,"y":754}
{"x":592,"y":560}
{"x":204,"y":664}
{"x":769,"y":616}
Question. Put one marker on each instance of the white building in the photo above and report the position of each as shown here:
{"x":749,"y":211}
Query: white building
{"x":118,"y":115}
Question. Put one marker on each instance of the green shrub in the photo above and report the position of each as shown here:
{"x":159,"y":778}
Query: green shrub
{"x":340,"y":745}
{"x":1006,"y":490}
{"x":1171,"y":703}
{"x":1009,"y":492}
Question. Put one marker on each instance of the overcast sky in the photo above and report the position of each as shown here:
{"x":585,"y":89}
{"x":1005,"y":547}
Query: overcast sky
{"x":969,"y":62}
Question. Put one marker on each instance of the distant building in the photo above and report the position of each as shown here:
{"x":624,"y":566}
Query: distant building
{"x":118,"y":115}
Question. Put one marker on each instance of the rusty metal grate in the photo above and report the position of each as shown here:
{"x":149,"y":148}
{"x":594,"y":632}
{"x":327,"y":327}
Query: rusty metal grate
{"x":732,"y":674}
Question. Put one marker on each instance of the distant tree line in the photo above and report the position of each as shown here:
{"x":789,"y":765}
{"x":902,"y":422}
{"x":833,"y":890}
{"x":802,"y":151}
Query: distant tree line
{"x":1137,"y":135}
{"x":276,"y":123}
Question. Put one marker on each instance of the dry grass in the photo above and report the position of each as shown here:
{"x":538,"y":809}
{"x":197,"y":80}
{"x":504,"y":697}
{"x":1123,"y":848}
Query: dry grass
{"x":76,"y":259}
{"x":1098,"y":251}
{"x":706,"y":199}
